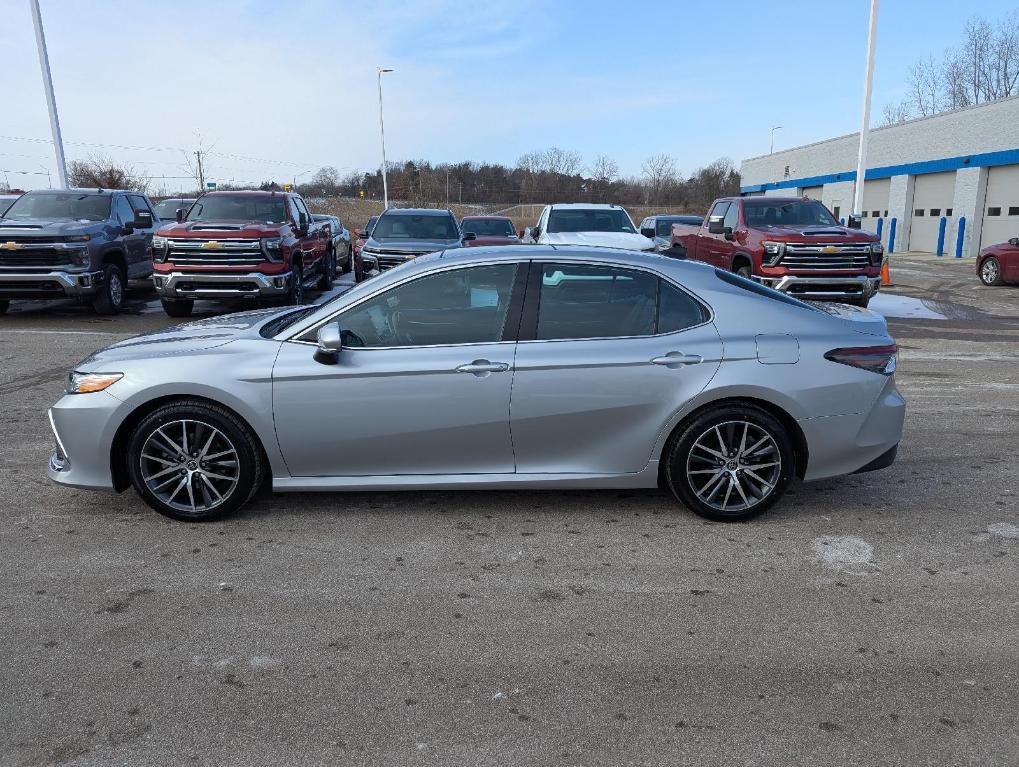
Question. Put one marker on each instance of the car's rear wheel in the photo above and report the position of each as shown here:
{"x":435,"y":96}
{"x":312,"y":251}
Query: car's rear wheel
{"x":194,"y":461}
{"x":177,"y":308}
{"x":990,"y":272}
{"x":295,"y":296}
{"x":110,"y":297}
{"x":730,"y":463}
{"x":345,"y":265}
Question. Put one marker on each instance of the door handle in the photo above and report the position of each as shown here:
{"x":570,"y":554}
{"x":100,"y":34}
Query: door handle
{"x":674,"y":360}
{"x":483,"y":367}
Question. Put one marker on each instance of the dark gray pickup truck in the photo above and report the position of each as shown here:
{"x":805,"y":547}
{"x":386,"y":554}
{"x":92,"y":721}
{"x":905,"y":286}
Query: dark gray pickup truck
{"x":80,"y":243}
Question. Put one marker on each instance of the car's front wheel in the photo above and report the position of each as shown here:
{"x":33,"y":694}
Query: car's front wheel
{"x":194,"y":461}
{"x":730,"y":463}
{"x":990,"y":272}
{"x":177,"y":308}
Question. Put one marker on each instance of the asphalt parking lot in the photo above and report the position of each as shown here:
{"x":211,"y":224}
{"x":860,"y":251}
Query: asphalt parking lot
{"x":868,"y":620}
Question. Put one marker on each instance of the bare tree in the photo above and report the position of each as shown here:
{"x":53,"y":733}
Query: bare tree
{"x":659,"y":173}
{"x":604,"y":169}
{"x":895,"y":113}
{"x":925,"y":87}
{"x":325,"y":181}
{"x":104,"y":173}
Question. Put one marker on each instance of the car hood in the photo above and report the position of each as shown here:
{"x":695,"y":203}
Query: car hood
{"x":623,"y":240}
{"x":410,"y":246}
{"x":48,"y":229}
{"x":207,"y":230}
{"x":818,"y":233}
{"x":182,"y":339}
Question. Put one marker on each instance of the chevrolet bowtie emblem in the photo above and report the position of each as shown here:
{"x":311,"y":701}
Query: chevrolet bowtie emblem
{"x":211,"y":245}
{"x":829,"y":249}
{"x":10,"y":245}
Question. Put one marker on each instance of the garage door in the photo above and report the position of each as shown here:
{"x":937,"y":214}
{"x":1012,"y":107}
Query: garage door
{"x":813,"y":192}
{"x":932,"y":199}
{"x":875,"y":205}
{"x":1001,"y":210}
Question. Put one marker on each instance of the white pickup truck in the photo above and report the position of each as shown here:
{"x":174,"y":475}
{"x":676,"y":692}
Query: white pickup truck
{"x":607,"y":226}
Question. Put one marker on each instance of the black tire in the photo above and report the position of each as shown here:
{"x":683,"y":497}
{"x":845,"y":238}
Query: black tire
{"x":177,"y":308}
{"x":744,"y":270}
{"x":862,"y":301}
{"x":295,"y":295}
{"x":4,"y":306}
{"x":359,"y":275}
{"x":345,"y":264}
{"x":325,"y":280}
{"x":250,"y":468}
{"x":110,"y":298}
{"x":990,"y":272}
{"x":683,"y":454}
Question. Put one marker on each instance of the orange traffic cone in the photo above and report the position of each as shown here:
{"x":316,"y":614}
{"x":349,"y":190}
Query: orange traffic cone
{"x":886,"y":274}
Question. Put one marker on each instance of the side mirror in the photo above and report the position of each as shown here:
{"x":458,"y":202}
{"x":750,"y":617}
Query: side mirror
{"x":727,"y":231}
{"x":142,"y":220}
{"x":855,"y":222}
{"x":1014,"y":242}
{"x":330,"y":344}
{"x":468,"y":236}
{"x":715,"y":225}
{"x":648,"y":232}
{"x":180,"y":215}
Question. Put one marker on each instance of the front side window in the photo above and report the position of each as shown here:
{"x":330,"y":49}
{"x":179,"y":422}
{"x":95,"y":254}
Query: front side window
{"x":124,"y":211}
{"x":589,"y":301}
{"x":589,"y":220}
{"x":460,"y":306}
{"x":719,"y":209}
{"x":731,"y":219}
{"x":69,"y":206}
{"x":139,"y":203}
{"x":302,"y":210}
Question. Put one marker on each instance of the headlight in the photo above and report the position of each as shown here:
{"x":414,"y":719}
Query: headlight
{"x":773,"y":252}
{"x":160,"y":248}
{"x":272,"y":247}
{"x":79,"y":257}
{"x":78,"y":238}
{"x":877,"y":251}
{"x":85,"y":383}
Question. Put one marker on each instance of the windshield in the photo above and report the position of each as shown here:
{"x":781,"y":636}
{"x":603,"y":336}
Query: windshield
{"x":410,"y":226}
{"x":271,"y":210}
{"x":489,"y":227}
{"x":796,"y":213}
{"x":167,"y":209}
{"x":60,"y":207}
{"x":591,"y":220}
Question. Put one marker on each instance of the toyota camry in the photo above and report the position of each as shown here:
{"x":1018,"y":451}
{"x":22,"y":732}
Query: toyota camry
{"x":509,"y":367}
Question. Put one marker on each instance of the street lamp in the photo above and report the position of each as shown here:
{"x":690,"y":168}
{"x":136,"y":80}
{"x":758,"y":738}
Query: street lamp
{"x":51,"y":102}
{"x":382,"y":134}
{"x":294,"y":185}
{"x":868,"y":79}
{"x":774,"y":128}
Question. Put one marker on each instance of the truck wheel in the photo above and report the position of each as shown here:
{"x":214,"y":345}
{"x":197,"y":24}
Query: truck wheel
{"x":177,"y":308}
{"x":862,"y":301}
{"x":744,"y":270}
{"x":345,"y":266}
{"x":359,"y":274}
{"x":110,"y":297}
{"x":295,"y":296}
{"x":325,"y":281}
{"x":4,"y":306}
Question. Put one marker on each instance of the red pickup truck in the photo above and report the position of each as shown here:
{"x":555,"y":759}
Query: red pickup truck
{"x":793,"y":244}
{"x":241,"y":245}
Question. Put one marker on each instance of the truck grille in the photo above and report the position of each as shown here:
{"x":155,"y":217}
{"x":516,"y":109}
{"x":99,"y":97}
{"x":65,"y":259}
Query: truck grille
{"x":227,"y":252}
{"x":821,"y":256}
{"x":33,"y":252}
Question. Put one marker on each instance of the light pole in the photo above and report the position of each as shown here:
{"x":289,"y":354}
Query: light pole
{"x":294,"y":185}
{"x":51,"y":102}
{"x":771,"y":149}
{"x":868,"y":78}
{"x":382,"y":134}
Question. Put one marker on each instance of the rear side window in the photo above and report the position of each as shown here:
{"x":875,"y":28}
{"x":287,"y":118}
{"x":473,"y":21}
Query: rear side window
{"x":761,"y":290}
{"x":677,"y":310}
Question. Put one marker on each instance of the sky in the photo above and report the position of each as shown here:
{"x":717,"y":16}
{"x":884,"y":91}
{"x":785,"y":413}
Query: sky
{"x":275,"y":90}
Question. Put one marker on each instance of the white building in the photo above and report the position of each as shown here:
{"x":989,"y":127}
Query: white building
{"x":952,"y":171}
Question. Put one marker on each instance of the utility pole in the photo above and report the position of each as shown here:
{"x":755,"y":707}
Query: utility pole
{"x":51,"y":102}
{"x":201,"y":169}
{"x":868,"y":78}
{"x":447,"y":187}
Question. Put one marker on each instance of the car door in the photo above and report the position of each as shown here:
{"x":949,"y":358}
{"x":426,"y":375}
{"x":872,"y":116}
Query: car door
{"x":727,"y":243}
{"x":710,"y":245}
{"x":606,"y":356}
{"x":1010,"y":261}
{"x":143,"y":267}
{"x":422,"y":386}
{"x":133,"y":240}
{"x":313,"y":244}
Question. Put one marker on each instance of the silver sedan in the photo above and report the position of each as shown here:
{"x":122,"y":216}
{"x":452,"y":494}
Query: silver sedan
{"x":529,"y":367}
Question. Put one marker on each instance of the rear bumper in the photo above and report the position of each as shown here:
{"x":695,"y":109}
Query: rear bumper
{"x":833,"y":287}
{"x":189,"y":285}
{"x":41,"y":284}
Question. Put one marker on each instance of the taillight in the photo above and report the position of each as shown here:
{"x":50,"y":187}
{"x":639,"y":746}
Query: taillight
{"x":877,"y":359}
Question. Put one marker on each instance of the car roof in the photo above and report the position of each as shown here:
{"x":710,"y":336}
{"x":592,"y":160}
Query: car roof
{"x":586,"y":206}
{"x":83,"y":190}
{"x":252,"y":192}
{"x":489,"y":218}
{"x":417,"y":212}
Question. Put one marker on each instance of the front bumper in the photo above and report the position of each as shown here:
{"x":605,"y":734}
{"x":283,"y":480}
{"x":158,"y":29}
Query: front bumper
{"x":44,"y":284}
{"x":192,"y":285}
{"x":831,"y":288}
{"x":83,"y":429}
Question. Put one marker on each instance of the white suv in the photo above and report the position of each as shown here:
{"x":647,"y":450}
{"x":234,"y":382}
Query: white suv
{"x":579,"y":223}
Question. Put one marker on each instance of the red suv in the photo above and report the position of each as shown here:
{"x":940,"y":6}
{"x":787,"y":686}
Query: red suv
{"x":240,"y":245}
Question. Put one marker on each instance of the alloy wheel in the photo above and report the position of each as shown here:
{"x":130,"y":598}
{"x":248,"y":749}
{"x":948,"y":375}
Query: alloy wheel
{"x":116,"y":288}
{"x":989,"y":271}
{"x":734,"y":466}
{"x":190,"y":466}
